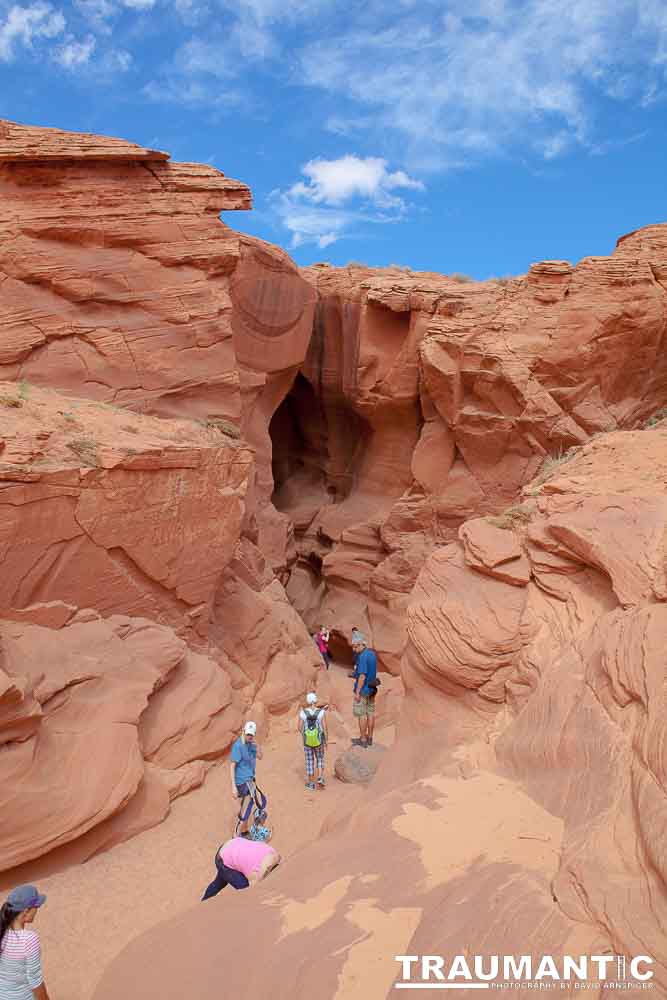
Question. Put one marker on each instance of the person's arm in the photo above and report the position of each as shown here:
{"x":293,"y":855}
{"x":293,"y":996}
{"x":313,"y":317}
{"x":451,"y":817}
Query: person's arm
{"x":359,"y":682}
{"x":34,"y":968}
{"x":259,"y":751}
{"x":233,"y":772}
{"x":300,"y":722}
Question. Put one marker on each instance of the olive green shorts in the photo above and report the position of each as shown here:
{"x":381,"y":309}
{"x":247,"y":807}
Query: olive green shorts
{"x":365,"y":706}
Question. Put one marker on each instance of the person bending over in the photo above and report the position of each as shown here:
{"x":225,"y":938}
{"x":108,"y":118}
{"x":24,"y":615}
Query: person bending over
{"x":241,"y":863}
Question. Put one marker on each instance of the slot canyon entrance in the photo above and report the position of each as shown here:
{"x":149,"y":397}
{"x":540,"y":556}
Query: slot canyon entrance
{"x":318,"y":446}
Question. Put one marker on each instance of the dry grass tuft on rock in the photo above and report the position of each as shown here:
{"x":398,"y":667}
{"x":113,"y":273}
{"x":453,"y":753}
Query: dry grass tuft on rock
{"x":656,"y":419}
{"x":86,"y":450}
{"x":10,"y":401}
{"x":512,"y":517}
{"x":223,"y":425}
{"x":549,"y":466}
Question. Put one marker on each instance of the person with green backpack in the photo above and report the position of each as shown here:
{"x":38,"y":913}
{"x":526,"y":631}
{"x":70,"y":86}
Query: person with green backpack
{"x":313,"y":729}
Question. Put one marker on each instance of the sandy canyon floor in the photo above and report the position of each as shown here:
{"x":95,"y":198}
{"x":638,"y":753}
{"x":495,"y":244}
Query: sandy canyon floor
{"x":95,"y":909}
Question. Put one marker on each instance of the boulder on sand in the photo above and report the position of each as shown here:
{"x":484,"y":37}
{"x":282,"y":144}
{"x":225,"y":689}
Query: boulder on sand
{"x":357,"y":765}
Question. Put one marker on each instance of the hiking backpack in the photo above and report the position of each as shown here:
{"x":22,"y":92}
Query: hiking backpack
{"x":312,"y":729}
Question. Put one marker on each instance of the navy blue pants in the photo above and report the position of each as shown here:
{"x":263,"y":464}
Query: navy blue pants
{"x":226,"y":876}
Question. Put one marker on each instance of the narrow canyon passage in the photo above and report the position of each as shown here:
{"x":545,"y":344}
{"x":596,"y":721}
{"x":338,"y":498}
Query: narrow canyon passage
{"x":473,"y":473}
{"x":95,"y":909}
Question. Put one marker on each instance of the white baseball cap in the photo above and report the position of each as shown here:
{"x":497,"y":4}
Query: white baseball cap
{"x":311,"y":698}
{"x":250,"y":728}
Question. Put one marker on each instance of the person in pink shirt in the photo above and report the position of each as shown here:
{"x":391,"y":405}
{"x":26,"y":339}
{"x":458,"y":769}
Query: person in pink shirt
{"x":322,"y":641}
{"x":241,"y":863}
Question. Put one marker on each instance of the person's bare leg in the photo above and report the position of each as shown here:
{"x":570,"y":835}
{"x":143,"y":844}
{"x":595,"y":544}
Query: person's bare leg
{"x":371,"y":726}
{"x":365,"y":729}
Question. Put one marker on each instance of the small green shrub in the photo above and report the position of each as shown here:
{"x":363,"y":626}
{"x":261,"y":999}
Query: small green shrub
{"x":549,"y":466}
{"x":657,"y":418}
{"x":513,"y":516}
{"x":86,"y":450}
{"x":224,"y":426}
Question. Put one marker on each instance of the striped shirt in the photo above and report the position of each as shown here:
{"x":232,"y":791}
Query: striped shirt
{"x":20,"y":965}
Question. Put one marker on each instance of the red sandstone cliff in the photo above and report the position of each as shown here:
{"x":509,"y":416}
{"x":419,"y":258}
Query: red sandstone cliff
{"x":144,"y":346}
{"x":523,"y":809}
{"x":424,"y":399}
{"x":164,"y":378}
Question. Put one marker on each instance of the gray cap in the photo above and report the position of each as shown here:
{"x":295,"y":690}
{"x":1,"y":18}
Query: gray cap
{"x":25,"y":897}
{"x":357,"y":636}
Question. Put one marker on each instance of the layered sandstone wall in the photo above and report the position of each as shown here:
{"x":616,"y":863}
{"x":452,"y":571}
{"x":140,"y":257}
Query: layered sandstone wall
{"x":523,"y":809}
{"x":144,"y":347}
{"x":164,"y":379}
{"x":424,"y":400}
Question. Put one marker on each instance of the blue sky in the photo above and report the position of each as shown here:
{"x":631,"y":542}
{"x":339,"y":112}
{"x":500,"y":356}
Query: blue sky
{"x":472,"y":136}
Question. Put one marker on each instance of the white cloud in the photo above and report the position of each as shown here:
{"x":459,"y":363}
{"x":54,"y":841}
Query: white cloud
{"x":97,"y":12}
{"x":554,"y":145}
{"x":199,"y":57}
{"x":116,"y":61}
{"x":335,"y":181}
{"x":489,"y":75}
{"x":263,"y":11}
{"x":138,"y":4}
{"x":23,"y":25}
{"x":192,"y":94}
{"x":191,"y":11}
{"x":73,"y":54}
{"x":339,"y":196}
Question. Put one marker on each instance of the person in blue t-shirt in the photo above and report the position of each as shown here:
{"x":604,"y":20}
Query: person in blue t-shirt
{"x":357,"y":637}
{"x":364,"y":690}
{"x":243,"y":764}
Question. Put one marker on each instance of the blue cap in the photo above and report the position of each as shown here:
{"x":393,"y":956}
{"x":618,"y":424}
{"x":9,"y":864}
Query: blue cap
{"x":25,"y":897}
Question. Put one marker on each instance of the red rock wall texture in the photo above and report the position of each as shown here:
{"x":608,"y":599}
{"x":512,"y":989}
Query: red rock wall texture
{"x":523,"y":809}
{"x":164,"y":378}
{"x":140,"y":338}
{"x":433,"y":399}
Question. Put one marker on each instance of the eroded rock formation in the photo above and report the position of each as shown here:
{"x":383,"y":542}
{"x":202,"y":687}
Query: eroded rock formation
{"x":424,"y":443}
{"x":424,"y":400}
{"x":144,"y":346}
{"x":523,"y":809}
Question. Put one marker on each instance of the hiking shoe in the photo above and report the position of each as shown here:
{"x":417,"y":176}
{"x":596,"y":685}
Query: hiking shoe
{"x":369,"y":743}
{"x":351,"y":674}
{"x":246,"y":834}
{"x":311,"y":785}
{"x":320,"y":782}
{"x":357,"y":743}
